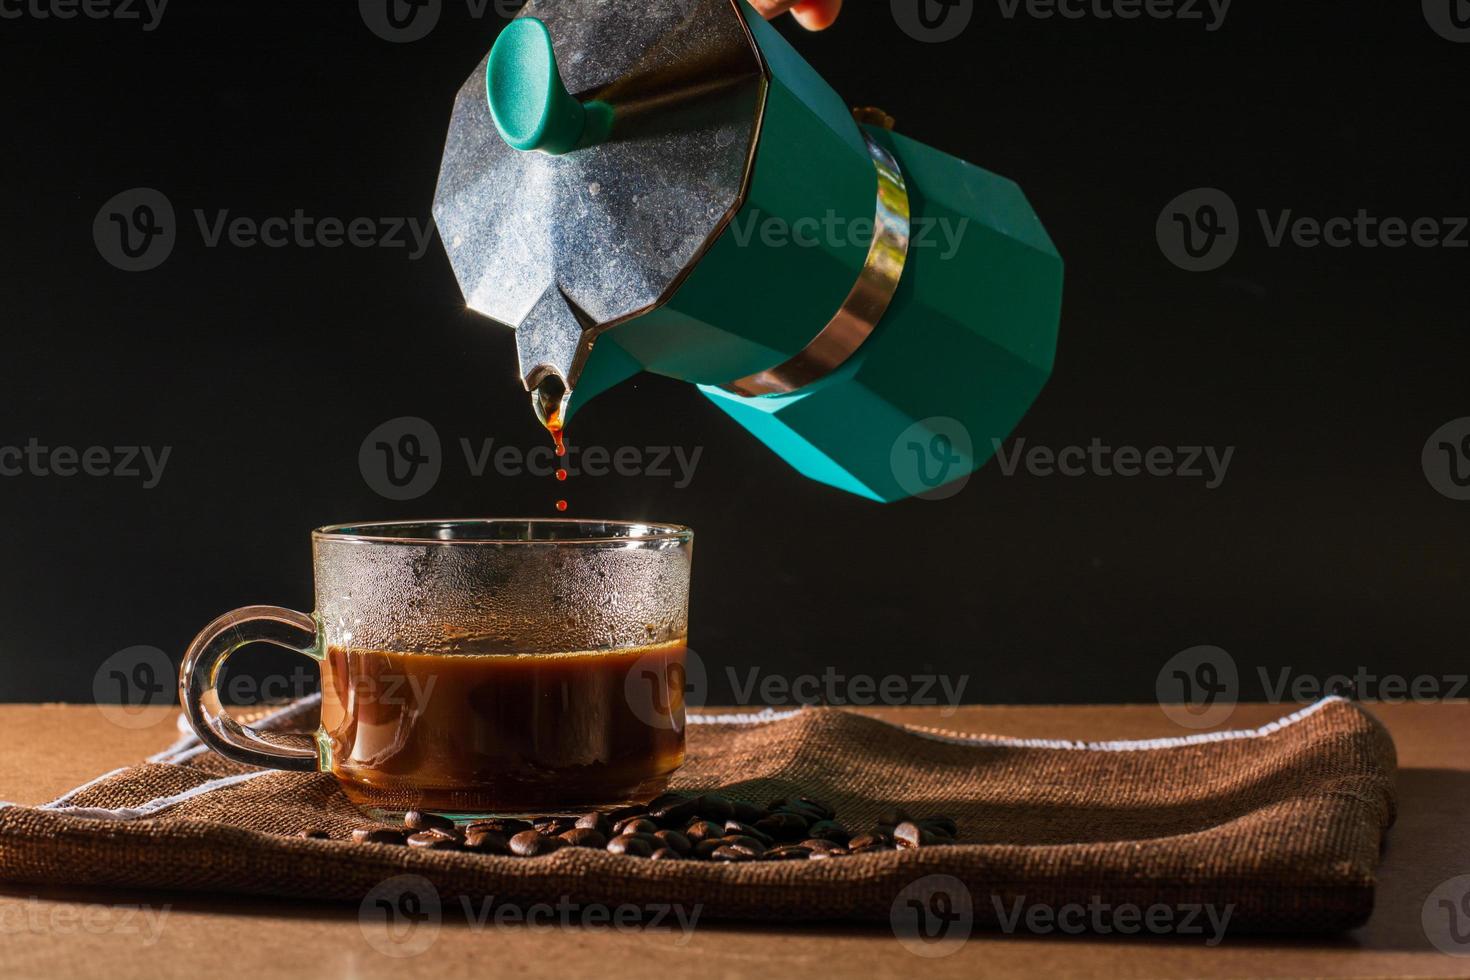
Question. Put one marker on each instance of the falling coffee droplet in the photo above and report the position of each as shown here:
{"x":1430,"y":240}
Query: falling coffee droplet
{"x":549,"y":401}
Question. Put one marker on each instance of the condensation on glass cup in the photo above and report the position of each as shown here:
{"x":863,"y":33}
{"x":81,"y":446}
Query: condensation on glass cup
{"x":477,"y":667}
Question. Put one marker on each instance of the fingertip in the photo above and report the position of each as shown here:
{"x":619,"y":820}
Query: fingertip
{"x":816,"y":15}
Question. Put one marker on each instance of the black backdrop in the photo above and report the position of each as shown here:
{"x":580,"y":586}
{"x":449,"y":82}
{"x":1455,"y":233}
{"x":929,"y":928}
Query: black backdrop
{"x":1325,"y":548}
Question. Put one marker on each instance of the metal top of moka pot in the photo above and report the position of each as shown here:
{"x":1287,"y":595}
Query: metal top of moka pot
{"x":592,"y":158}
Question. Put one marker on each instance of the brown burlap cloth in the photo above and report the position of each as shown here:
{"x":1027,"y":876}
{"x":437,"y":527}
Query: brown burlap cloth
{"x":1284,"y":823}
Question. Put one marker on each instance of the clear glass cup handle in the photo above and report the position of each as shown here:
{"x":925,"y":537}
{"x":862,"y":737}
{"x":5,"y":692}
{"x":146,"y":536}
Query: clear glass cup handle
{"x":202,"y":668}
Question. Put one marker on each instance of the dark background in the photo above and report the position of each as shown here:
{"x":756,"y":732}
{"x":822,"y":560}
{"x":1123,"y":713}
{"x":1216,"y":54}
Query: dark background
{"x":1325,"y":549}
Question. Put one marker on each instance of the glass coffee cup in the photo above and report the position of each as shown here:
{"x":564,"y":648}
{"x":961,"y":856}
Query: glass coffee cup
{"x":476,"y":667}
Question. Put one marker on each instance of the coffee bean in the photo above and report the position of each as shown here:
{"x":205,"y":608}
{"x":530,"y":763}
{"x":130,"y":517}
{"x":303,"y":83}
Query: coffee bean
{"x":667,"y":799}
{"x":552,"y":826}
{"x":676,"y":814}
{"x":941,"y":825}
{"x":625,"y":813}
{"x":909,"y":834}
{"x":635,"y":825}
{"x":314,"y":834}
{"x":747,"y":843}
{"x":595,"y":821}
{"x":825,"y":809}
{"x":506,"y":827}
{"x":894,"y":817}
{"x":585,"y":837}
{"x":819,"y":844}
{"x":832,"y":853}
{"x":419,"y":820}
{"x":809,"y":813}
{"x":666,"y":854}
{"x":748,"y":812}
{"x":377,"y":835}
{"x":736,"y":827}
{"x":869,"y":840}
{"x":703,"y":830}
{"x":869,"y":849}
{"x":707,"y":847}
{"x":629,"y":845}
{"x":784,"y":825}
{"x":433,"y":840}
{"x":728,"y":853}
{"x":829,"y":830}
{"x":487,"y":842}
{"x":530,"y":843}
{"x":674,"y":841}
{"x":787,"y":852}
{"x":713,"y":806}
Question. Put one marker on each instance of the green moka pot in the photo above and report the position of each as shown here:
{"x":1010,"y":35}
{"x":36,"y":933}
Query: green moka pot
{"x":669,"y":187}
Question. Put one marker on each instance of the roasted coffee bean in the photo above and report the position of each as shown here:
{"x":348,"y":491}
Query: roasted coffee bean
{"x":747,"y":843}
{"x":818,"y":844}
{"x":532,"y":843}
{"x":869,"y":849}
{"x":377,"y":835}
{"x":713,"y":806}
{"x":832,"y":853}
{"x":894,"y":817}
{"x":585,"y":837}
{"x":666,"y":799}
{"x":635,"y":825}
{"x":807,"y":812}
{"x":825,"y":809}
{"x":829,"y":830}
{"x":909,"y":834}
{"x":552,"y":826}
{"x":627,"y":844}
{"x":703,"y":830}
{"x":869,"y":840}
{"x":314,"y":834}
{"x":595,"y":821}
{"x":433,"y":840}
{"x":784,"y":825}
{"x":506,"y":827}
{"x":705,"y":848}
{"x":728,"y":853}
{"x":676,"y":814}
{"x":736,"y":827}
{"x":626,"y":813}
{"x":748,"y":812}
{"x":940,"y":825}
{"x":674,"y":841}
{"x":787,"y":852}
{"x":419,"y":820}
{"x":487,"y":842}
{"x":666,"y":854}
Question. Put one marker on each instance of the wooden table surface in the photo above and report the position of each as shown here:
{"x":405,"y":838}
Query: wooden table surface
{"x":49,"y":749}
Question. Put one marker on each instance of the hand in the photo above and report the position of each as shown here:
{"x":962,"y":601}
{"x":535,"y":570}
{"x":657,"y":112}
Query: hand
{"x":814,"y":15}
